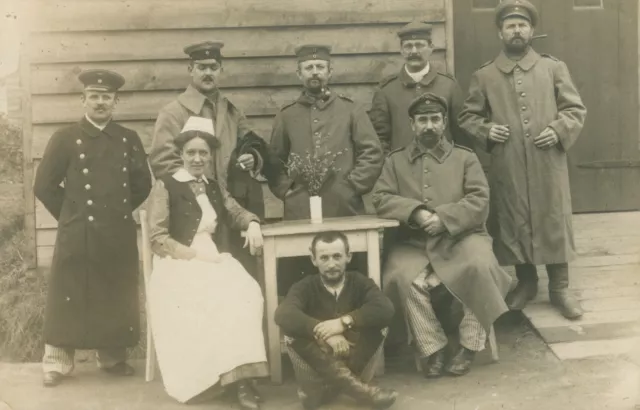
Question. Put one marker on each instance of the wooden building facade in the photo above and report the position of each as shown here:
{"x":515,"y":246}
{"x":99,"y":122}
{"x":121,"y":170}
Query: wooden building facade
{"x":143,"y":40}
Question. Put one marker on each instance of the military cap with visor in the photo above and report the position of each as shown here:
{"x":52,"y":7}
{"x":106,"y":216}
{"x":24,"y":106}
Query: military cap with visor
{"x":206,"y":50}
{"x":101,"y":80}
{"x":416,"y":30}
{"x":428,"y":103}
{"x":313,"y":52}
{"x":516,"y":8}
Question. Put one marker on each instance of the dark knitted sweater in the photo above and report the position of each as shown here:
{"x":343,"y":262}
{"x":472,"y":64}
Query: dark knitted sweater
{"x":309,"y":303}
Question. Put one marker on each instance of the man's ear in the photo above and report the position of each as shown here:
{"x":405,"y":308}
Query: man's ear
{"x":312,"y":257}
{"x":445,"y":120}
{"x":349,"y":256}
{"x":190,"y":67}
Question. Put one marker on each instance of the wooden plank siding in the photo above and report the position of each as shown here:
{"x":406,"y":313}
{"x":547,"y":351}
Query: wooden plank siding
{"x":143,"y":40}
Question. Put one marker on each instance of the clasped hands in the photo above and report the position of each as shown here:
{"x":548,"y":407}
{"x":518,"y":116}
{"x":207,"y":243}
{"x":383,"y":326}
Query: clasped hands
{"x":331,"y":333}
{"x":547,"y":138}
{"x":429,"y":222}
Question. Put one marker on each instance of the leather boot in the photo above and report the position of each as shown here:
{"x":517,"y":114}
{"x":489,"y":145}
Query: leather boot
{"x":433,"y":366}
{"x":559,"y":293}
{"x":460,"y":364}
{"x":526,"y":289}
{"x":337,"y":373}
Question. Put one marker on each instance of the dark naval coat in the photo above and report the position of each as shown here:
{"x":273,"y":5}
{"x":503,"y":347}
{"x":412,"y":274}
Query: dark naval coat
{"x":91,"y":181}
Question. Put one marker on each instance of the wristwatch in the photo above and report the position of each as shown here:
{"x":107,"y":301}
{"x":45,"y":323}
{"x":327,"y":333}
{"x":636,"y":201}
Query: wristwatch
{"x":347,"y":321}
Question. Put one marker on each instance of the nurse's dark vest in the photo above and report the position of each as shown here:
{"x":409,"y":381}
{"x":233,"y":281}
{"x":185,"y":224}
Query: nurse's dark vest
{"x":185,"y":213}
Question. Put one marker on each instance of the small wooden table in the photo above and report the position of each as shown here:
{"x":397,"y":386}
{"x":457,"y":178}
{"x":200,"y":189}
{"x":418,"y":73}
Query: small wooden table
{"x":293,"y":238}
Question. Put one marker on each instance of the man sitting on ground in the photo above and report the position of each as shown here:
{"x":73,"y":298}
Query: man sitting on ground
{"x":337,"y":322}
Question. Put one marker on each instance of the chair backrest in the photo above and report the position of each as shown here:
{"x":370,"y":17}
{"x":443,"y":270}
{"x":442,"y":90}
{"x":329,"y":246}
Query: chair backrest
{"x":146,"y":246}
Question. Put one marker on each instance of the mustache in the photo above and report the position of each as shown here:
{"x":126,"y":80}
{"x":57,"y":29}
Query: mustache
{"x":207,"y":78}
{"x":415,"y":57}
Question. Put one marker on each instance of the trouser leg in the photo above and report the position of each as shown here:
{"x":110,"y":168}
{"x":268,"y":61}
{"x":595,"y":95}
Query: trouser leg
{"x":107,"y":358}
{"x":58,"y":359}
{"x":472,"y":334}
{"x":559,"y":293}
{"x":426,"y":329}
{"x":333,"y":370}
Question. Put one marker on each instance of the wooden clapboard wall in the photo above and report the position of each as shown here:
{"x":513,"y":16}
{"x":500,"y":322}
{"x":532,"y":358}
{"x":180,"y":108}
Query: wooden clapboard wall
{"x":143,"y":40}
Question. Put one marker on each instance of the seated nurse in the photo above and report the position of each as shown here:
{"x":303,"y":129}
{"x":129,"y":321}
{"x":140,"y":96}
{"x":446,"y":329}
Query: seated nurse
{"x":205,"y":309}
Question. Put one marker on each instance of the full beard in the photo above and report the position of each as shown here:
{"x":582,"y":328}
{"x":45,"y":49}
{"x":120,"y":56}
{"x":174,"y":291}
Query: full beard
{"x":517,"y":47}
{"x":315,"y":85}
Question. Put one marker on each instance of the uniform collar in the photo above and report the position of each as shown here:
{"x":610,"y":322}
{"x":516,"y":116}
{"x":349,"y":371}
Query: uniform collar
{"x":92,"y":130}
{"x":420,"y":74}
{"x":182,"y":175}
{"x":100,"y":127}
{"x":506,"y":65}
{"x":406,"y":79}
{"x":439,"y":152}
{"x":193,"y":100}
{"x":309,"y":100}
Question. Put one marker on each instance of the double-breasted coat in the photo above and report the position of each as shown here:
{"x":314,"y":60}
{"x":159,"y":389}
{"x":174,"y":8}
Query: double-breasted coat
{"x":91,"y":181}
{"x":391,"y":100}
{"x":449,"y":181}
{"x":530,"y":193}
{"x":329,"y":125}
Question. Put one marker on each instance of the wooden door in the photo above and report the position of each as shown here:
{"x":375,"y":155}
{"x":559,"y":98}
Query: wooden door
{"x":598,"y":40}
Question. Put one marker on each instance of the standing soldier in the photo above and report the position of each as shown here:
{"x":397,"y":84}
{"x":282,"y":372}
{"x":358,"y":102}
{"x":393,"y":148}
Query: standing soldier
{"x":323,"y":122}
{"x":417,"y":76}
{"x":240,"y":154}
{"x":524,"y":109}
{"x":92,"y":176}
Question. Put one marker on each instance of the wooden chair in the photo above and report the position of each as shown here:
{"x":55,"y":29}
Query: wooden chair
{"x":150,"y":367}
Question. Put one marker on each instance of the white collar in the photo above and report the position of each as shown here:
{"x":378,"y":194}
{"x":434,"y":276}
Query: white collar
{"x":337,"y":290}
{"x":92,"y":122}
{"x":417,"y":77}
{"x":182,"y":175}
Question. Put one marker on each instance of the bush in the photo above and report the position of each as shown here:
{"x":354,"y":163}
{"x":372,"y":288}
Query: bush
{"x":22,"y":301}
{"x":10,"y":151}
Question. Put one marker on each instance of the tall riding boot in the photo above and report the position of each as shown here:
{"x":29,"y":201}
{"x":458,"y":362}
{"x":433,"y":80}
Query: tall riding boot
{"x":526,"y":289}
{"x":559,"y":293}
{"x":337,"y":373}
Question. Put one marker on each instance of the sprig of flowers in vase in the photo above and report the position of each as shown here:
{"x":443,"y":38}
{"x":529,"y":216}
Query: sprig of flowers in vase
{"x":313,"y":169}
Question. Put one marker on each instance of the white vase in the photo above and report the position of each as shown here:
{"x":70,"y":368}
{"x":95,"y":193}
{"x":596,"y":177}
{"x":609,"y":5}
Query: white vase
{"x":315,"y":204}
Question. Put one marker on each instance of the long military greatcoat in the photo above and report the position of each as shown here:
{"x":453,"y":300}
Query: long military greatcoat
{"x":391,"y":100}
{"x":91,"y":181}
{"x":449,"y":181}
{"x":329,"y":125}
{"x":530,"y":193}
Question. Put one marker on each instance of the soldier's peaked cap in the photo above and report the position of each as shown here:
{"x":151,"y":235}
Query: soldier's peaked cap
{"x":205,"y":50}
{"x":313,"y":52}
{"x":428,"y":103}
{"x":516,"y":8}
{"x":101,"y":80}
{"x":415,"y":30}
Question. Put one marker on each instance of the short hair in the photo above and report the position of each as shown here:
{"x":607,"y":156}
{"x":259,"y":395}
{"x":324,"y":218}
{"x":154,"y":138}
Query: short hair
{"x":329,"y":237}
{"x":184,"y":137}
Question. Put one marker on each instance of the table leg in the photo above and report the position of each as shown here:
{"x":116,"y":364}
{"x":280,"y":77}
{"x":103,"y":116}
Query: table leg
{"x":271,"y":298}
{"x":373,"y":264}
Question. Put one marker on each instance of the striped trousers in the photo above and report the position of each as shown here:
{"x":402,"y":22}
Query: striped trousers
{"x":427,"y":332}
{"x":61,"y":359}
